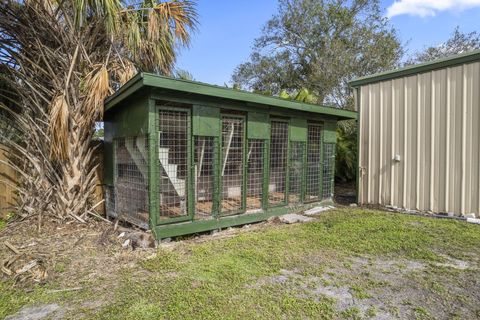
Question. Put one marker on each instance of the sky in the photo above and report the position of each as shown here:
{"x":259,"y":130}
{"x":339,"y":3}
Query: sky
{"x":227,"y":30}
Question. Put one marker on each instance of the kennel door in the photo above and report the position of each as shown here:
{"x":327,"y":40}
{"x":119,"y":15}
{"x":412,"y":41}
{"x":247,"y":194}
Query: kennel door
{"x":174,"y":161}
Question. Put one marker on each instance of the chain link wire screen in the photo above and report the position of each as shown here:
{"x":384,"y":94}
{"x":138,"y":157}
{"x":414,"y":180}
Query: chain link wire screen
{"x":173,"y":156}
{"x":204,"y":176}
{"x":278,"y":162}
{"x":110,"y":206}
{"x":232,"y":164}
{"x":296,"y":172}
{"x":328,"y":170}
{"x":314,"y":143}
{"x":255,"y":174}
{"x":130,"y":200}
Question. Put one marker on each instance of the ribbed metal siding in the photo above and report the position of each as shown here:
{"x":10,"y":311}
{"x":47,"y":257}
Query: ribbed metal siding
{"x":432,"y":121}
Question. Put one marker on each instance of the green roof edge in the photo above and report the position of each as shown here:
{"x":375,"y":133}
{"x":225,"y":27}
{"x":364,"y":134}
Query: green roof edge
{"x":417,"y":68}
{"x":152,"y":80}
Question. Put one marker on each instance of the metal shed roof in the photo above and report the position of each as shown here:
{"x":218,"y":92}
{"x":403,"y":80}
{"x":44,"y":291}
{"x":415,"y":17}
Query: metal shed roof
{"x":418,"y":68}
{"x":142,"y":80}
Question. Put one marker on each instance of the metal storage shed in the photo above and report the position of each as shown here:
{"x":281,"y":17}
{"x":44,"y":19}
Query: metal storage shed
{"x":419,"y":130}
{"x":184,"y":157}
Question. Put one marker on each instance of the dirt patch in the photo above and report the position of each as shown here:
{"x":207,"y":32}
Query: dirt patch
{"x":388,"y":288}
{"x":454,"y":263}
{"x":80,"y":258}
{"x":50,"y":311}
{"x":345,"y":193}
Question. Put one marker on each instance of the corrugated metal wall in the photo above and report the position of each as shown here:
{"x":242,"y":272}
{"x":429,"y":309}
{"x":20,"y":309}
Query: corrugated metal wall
{"x":431,"y":121}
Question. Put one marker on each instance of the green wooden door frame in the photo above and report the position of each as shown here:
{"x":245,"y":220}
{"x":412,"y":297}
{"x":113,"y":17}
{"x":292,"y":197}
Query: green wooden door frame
{"x":287,"y":164}
{"x":155,"y":164}
{"x":244,"y":169}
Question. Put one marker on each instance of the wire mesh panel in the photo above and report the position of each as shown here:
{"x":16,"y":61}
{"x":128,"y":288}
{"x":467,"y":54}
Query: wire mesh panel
{"x":328,"y":170}
{"x":131,"y":179}
{"x":255,"y":173}
{"x":278,"y":162}
{"x":173,"y":157}
{"x":296,"y":172}
{"x":204,"y":176}
{"x":232,"y":164}
{"x":314,"y":143}
{"x":110,"y":201}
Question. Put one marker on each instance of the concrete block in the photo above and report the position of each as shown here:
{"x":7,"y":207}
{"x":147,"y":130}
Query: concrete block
{"x":317,"y":210}
{"x":294,"y":218}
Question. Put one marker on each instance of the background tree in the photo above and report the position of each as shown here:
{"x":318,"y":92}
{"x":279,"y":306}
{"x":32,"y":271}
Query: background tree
{"x":346,"y":147}
{"x":458,"y":42}
{"x":60,"y":59}
{"x":319,"y":46}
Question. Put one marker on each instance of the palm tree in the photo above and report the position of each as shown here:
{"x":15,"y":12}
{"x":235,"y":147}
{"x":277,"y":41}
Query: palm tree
{"x":61,"y":60}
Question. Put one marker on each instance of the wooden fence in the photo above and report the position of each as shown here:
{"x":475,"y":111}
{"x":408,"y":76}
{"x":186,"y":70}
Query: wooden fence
{"x":7,"y":181}
{"x":8,"y":178}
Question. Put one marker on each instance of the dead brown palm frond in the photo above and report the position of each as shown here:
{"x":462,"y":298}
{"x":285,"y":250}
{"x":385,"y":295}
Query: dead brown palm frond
{"x":97,"y":88}
{"x":124,"y":70}
{"x":61,"y":59}
{"x":58,"y":127}
{"x":179,"y":16}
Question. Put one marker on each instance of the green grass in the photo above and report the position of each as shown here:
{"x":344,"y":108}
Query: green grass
{"x":219,"y":278}
{"x":239,"y":277}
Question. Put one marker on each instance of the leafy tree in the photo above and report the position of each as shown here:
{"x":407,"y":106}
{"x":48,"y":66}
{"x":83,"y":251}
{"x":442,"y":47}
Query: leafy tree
{"x":458,"y":42}
{"x":61,"y":59}
{"x":346,"y":153}
{"x":184,"y":75}
{"x":319,"y":46}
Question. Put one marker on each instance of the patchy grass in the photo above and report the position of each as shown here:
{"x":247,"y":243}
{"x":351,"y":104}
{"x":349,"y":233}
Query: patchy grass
{"x":314,"y":270}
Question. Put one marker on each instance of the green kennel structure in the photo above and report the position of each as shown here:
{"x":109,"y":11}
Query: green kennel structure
{"x":183,"y":157}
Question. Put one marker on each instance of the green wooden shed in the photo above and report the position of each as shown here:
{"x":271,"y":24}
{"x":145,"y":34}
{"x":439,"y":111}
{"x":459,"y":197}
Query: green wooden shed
{"x":184,"y":157}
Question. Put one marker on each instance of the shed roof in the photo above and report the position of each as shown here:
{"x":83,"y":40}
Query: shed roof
{"x":142,"y":80}
{"x":418,"y":68}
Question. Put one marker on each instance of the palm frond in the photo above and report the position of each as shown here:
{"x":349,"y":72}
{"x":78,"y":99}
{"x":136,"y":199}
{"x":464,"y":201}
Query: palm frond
{"x":58,"y":127}
{"x":97,"y":88}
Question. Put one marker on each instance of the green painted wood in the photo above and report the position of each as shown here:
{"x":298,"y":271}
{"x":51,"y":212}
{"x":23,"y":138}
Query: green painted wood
{"x":321,"y":164}
{"x":258,"y":125}
{"x":153,"y":188}
{"x":266,"y":173}
{"x":191,"y":172}
{"x":178,"y":229}
{"x":330,"y":132}
{"x":454,"y":60}
{"x":108,"y":155}
{"x":298,"y":129}
{"x":216,"y":176}
{"x":303,"y":189}
{"x":287,"y":168}
{"x":191,"y":87}
{"x":206,"y":121}
{"x":132,"y":120}
{"x":243,"y":201}
{"x":357,"y":160}
{"x":190,"y":186}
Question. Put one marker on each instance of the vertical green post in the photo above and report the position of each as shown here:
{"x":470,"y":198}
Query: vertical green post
{"x":303,"y":184}
{"x":216,"y":177}
{"x":287,"y":168}
{"x":332,"y":182}
{"x":322,"y":163}
{"x":191,"y":165}
{"x":266,"y":174}
{"x":357,"y":162}
{"x":152,"y":135}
